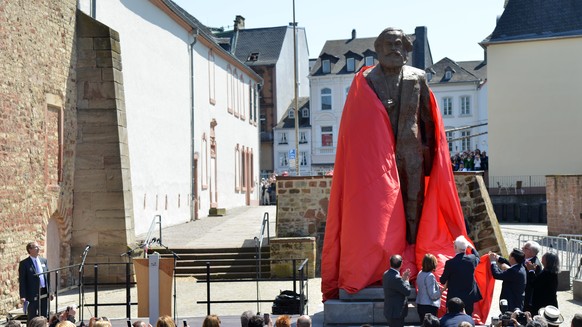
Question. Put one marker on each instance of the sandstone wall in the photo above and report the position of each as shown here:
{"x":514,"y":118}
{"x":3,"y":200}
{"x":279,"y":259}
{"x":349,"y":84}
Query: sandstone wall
{"x":302,"y":210}
{"x":564,"y":196}
{"x":284,"y":248}
{"x":37,"y":133}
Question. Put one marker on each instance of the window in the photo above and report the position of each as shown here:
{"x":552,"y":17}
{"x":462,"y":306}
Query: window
{"x":450,"y":137}
{"x":229,"y":90}
{"x":211,"y":78}
{"x":254,"y":56}
{"x":351,"y":64}
{"x":283,"y":139}
{"x":305,"y":113}
{"x":369,"y":61}
{"x":428,"y":76}
{"x":302,"y":137}
{"x":326,"y":99}
{"x":326,"y":66}
{"x":465,"y":105}
{"x":447,"y":106}
{"x":292,"y":113}
{"x":326,"y":135}
{"x":466,"y":142}
{"x":283,"y":161}
{"x":448,"y":75}
{"x":303,"y":158}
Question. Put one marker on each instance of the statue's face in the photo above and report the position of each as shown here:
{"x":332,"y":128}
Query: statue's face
{"x":391,"y":53}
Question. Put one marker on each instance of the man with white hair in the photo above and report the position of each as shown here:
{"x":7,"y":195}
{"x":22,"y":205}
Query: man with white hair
{"x":459,"y":274}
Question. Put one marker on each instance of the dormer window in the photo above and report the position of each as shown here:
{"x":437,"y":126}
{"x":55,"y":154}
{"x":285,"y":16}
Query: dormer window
{"x":448,"y":74}
{"x":292,"y":113}
{"x":305,"y":113}
{"x":326,"y":66}
{"x":351,"y":64}
{"x":369,"y":61}
{"x":428,"y":76}
{"x":254,"y":56}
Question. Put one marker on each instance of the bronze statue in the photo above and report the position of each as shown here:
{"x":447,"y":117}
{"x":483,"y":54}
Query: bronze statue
{"x":404,"y":92}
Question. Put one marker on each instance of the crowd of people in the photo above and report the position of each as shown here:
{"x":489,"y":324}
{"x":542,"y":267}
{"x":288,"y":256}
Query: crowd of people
{"x":269,"y":190}
{"x":470,"y":161}
{"x":528,"y":295}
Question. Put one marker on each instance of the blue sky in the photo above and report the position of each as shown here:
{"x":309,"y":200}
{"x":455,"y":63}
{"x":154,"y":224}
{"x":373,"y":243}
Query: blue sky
{"x":455,"y":27}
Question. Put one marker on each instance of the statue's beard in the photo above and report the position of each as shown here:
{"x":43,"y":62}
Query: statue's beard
{"x":393,"y":60}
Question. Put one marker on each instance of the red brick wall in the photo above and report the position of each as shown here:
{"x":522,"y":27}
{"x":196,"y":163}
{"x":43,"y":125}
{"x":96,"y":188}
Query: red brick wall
{"x":37,"y":130}
{"x":564,"y":196}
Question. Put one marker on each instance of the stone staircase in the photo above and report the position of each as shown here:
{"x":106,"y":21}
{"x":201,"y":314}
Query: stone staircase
{"x":225,"y":263}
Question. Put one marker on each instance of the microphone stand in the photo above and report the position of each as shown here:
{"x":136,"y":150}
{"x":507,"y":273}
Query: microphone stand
{"x":174,"y":273}
{"x":81,"y":281}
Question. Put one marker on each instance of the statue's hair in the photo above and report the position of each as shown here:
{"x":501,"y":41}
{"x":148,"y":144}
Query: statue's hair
{"x":406,"y":41}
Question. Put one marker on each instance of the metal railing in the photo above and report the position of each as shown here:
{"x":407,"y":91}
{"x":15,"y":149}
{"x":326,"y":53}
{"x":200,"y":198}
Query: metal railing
{"x":569,"y":251}
{"x":302,"y":279}
{"x":509,"y":183}
{"x":258,"y":252}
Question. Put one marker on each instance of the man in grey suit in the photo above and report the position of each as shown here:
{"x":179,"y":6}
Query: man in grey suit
{"x":31,"y":283}
{"x":396,"y":291}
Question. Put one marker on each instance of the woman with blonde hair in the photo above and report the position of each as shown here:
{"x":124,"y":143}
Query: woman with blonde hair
{"x":211,"y":321}
{"x":165,"y":321}
{"x":428,"y":296}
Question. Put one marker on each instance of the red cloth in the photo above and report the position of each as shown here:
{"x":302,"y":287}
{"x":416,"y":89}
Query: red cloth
{"x":365,"y":221}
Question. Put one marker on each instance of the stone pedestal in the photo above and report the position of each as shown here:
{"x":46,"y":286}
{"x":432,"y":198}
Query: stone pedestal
{"x":564,"y":280}
{"x":577,"y":289}
{"x":364,"y":307}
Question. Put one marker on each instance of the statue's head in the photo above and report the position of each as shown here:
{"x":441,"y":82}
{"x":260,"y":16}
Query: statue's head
{"x":392,"y":47}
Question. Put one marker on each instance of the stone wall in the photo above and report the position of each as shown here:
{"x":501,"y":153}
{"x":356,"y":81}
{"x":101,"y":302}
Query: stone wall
{"x":37,"y":133}
{"x":302,"y":210}
{"x":564,"y":196}
{"x":103,"y":209}
{"x":284,"y":248}
{"x":478,"y":211}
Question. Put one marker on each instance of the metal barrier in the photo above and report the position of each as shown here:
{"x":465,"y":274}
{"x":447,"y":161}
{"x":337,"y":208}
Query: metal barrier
{"x":575,"y":249}
{"x":96,"y":284}
{"x":303,"y":286}
{"x":571,"y":236}
{"x":547,"y":243}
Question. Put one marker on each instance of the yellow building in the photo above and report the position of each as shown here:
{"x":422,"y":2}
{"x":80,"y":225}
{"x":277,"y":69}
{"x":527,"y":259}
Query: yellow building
{"x":535,"y":87}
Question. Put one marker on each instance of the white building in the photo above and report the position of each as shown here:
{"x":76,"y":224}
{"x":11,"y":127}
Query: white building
{"x":192,"y":113}
{"x":285,"y":146}
{"x":460,"y":89}
{"x":330,"y":79}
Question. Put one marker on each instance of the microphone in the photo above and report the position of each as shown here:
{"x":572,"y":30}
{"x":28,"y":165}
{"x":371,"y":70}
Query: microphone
{"x":87,"y":248}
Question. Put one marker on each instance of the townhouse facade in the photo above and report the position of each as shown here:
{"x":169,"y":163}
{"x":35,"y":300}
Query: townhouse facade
{"x":286,"y":157}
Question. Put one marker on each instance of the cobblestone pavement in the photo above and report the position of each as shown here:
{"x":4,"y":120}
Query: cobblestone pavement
{"x":238,"y":228}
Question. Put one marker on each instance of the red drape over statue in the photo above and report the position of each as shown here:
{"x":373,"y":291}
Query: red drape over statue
{"x":365,"y":221}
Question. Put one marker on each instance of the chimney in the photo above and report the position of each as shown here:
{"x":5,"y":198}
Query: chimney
{"x":239,"y":23}
{"x":421,"y":53}
{"x":354,"y":34}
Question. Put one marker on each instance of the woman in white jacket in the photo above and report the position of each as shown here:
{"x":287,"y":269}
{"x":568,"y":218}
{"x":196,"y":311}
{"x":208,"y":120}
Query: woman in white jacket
{"x":428,"y":295}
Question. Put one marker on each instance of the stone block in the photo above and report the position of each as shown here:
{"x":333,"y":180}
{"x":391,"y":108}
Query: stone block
{"x":214,"y":212}
{"x":339,"y":312}
{"x":564,"y":280}
{"x":577,"y":289}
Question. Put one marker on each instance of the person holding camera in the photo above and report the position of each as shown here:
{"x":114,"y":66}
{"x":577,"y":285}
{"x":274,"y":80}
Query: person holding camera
{"x":514,"y":278}
{"x":455,"y":314}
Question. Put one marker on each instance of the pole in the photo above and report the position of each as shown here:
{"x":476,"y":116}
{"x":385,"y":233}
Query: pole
{"x":296,"y":86}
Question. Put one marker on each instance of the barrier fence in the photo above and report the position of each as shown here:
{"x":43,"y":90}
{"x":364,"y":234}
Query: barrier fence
{"x":568,"y":248}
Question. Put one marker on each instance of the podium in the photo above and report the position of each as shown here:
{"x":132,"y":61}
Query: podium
{"x":154,"y":286}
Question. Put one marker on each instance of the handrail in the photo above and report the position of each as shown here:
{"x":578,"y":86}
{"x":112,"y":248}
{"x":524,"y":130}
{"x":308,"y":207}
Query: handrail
{"x":258,"y":252}
{"x":303,"y":285}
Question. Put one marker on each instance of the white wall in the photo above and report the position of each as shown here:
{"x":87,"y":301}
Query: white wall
{"x":284,"y":71}
{"x":156,"y":76}
{"x":535,"y":115}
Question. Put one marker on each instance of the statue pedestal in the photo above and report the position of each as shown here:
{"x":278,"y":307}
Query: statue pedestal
{"x":364,"y":307}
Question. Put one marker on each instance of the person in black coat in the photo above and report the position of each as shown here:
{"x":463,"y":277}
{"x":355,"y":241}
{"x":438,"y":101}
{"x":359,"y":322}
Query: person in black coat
{"x":459,"y":275}
{"x":545,"y":285}
{"x":396,"y":292}
{"x":530,"y":250}
{"x":31,"y":283}
{"x":514,"y":278}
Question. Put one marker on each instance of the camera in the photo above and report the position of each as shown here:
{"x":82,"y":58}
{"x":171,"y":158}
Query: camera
{"x":521,"y":317}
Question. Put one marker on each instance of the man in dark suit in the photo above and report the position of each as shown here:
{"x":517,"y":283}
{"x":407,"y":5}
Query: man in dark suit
{"x":533,"y":268}
{"x":459,"y":275}
{"x":455,"y":314}
{"x":31,"y":283}
{"x":396,"y":291}
{"x":514,"y":278}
